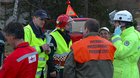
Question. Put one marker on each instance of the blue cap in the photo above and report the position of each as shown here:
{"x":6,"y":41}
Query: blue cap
{"x":42,"y":14}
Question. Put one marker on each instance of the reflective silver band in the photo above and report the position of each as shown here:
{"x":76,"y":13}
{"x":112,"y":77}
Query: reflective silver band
{"x":39,"y":72}
{"x":25,"y":56}
{"x":61,"y":55}
{"x":116,"y":39}
{"x":59,"y":67}
{"x":41,"y":59}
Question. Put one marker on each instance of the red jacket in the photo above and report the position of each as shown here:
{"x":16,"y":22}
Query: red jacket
{"x":21,"y":63}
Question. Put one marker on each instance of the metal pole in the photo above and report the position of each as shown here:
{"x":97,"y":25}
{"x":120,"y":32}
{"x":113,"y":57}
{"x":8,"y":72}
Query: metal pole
{"x":86,"y":8}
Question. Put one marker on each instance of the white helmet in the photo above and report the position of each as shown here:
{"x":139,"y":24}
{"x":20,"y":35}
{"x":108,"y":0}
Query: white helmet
{"x":123,"y":15}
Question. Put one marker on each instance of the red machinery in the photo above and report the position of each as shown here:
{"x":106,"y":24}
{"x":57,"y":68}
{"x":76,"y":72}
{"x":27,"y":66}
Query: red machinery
{"x":77,"y":28}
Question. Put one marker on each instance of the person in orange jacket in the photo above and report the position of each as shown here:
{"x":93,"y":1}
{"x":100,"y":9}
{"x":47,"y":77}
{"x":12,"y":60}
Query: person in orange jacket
{"x":22,"y":62}
{"x":92,"y":56}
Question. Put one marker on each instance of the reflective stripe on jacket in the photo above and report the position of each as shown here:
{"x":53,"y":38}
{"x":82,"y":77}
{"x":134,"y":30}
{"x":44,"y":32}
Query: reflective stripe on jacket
{"x":127,"y":54}
{"x":27,"y":55}
{"x":62,"y":49}
{"x":93,"y":48}
{"x":21,"y":63}
{"x":30,"y":37}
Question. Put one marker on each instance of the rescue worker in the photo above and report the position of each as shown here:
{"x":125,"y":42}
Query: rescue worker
{"x":138,"y":29}
{"x":92,"y":56}
{"x":22,"y":62}
{"x":127,"y":42}
{"x":62,"y":43}
{"x":104,"y":33}
{"x":35,"y":36}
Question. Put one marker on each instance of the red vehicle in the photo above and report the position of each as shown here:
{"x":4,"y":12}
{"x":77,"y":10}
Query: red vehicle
{"x":77,"y":28}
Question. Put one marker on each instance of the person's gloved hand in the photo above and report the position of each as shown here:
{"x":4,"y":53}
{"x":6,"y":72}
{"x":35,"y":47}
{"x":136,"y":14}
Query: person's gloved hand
{"x":46,"y":48}
{"x":117,"y":30}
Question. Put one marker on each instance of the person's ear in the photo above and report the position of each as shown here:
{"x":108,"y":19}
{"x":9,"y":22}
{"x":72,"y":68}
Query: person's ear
{"x":87,"y":31}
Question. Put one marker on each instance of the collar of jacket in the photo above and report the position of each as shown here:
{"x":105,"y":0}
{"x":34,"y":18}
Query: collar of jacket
{"x":91,"y":34}
{"x":21,"y":45}
{"x":65,"y":35}
{"x":127,"y":31}
{"x":37,"y":31}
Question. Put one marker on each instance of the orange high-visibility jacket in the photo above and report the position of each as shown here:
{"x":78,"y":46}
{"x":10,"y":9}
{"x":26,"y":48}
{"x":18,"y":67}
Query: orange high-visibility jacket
{"x":93,"y":48}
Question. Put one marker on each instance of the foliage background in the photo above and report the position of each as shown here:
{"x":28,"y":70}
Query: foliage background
{"x":98,"y":9}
